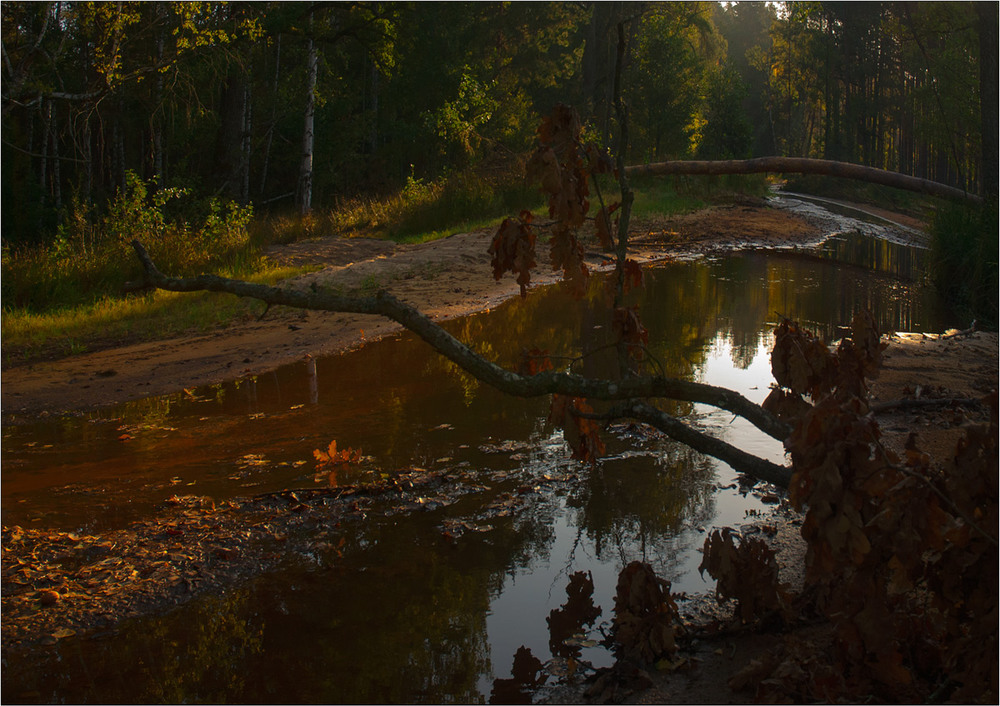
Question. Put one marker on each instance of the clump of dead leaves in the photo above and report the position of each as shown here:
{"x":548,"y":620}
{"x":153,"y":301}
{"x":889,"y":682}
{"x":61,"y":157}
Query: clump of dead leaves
{"x":902,"y":553}
{"x":901,"y":575}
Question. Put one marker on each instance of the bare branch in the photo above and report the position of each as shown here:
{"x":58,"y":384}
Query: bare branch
{"x":549,"y":382}
{"x":740,"y":460}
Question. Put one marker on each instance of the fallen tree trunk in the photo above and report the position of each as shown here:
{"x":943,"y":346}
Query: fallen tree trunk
{"x":802,"y":165}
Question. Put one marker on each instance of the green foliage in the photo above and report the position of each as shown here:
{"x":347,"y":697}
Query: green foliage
{"x":676,"y":47}
{"x":91,"y":257}
{"x":457,"y":121}
{"x":964,"y":259}
{"x":455,"y":202}
{"x":727,"y":133}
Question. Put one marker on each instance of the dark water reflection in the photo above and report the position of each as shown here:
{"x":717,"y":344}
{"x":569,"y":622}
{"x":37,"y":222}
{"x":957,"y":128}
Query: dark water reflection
{"x":397,"y":615}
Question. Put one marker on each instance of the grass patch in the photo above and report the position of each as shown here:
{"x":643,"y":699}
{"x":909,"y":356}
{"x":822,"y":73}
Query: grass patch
{"x":113,"y":321}
{"x":419,"y":212}
{"x":66,"y":298}
{"x":664,"y":196}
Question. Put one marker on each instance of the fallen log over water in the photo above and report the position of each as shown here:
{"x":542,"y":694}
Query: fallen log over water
{"x":802,"y":165}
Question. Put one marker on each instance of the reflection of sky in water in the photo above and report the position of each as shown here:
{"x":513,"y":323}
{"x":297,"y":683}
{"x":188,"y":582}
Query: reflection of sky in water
{"x":517,"y":615}
{"x":753,"y":382}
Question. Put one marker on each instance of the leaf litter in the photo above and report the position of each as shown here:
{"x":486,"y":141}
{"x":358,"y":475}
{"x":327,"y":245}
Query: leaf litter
{"x":59,"y":585}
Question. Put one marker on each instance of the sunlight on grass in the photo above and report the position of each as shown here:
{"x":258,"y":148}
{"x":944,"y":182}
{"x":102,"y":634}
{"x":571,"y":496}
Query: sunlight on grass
{"x":65,"y":300}
{"x":115,"y":320}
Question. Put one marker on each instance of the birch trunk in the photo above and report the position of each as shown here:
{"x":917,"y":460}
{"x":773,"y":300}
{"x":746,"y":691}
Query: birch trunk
{"x":308,"y":133}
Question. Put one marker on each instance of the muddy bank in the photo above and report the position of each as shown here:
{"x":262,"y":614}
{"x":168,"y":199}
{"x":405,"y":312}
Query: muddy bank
{"x":445,"y":279}
{"x":916,"y":366}
{"x":59,"y":585}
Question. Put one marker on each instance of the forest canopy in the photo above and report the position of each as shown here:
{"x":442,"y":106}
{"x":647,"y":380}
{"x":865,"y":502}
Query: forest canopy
{"x":294,"y":105}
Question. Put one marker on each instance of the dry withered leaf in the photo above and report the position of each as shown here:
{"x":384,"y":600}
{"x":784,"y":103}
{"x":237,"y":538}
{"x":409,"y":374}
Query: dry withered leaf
{"x":646,"y":617}
{"x":513,"y":250}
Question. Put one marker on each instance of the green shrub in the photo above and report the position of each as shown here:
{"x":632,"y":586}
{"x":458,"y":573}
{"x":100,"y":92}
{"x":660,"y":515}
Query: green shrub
{"x":460,"y":200}
{"x":91,"y":257}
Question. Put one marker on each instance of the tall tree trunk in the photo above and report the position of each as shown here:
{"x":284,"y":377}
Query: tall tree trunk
{"x":229,"y":158}
{"x":56,"y":171}
{"x":245,"y":145}
{"x":156,"y":117}
{"x":988,"y":76}
{"x":118,"y":165}
{"x":372,"y":133}
{"x":274,"y":116}
{"x":599,"y":64}
{"x":45,"y":112}
{"x":308,"y":134}
{"x":88,"y":161}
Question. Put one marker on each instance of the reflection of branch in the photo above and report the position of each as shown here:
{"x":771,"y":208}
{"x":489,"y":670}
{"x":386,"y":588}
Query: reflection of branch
{"x":740,"y":460}
{"x":549,"y":382}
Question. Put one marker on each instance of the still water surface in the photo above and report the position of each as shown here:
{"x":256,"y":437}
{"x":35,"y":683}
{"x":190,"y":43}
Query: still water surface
{"x":399,"y":615}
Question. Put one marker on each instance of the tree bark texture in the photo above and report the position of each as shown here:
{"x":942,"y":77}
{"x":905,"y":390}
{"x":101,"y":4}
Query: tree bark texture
{"x":988,"y":76}
{"x":802,"y":165}
{"x":308,"y":132}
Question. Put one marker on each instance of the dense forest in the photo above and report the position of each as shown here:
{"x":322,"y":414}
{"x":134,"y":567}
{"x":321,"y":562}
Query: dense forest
{"x":292,"y":106}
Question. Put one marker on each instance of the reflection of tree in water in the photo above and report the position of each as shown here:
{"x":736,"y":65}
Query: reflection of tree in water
{"x":194,"y":655}
{"x":564,"y":622}
{"x":410,"y":626}
{"x":570,"y":618}
{"x":526,"y":675}
{"x":400,"y":617}
{"x":638,"y":505}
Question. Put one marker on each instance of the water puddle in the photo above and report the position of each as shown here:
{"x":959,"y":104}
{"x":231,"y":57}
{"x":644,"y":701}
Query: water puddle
{"x":432,"y":605}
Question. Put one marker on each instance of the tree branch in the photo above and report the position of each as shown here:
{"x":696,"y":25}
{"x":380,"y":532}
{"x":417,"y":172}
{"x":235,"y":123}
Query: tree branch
{"x":740,"y":460}
{"x":549,"y":382}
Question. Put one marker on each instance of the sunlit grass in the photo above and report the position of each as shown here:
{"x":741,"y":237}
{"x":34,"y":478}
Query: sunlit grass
{"x":116,"y":320}
{"x":66,"y":299}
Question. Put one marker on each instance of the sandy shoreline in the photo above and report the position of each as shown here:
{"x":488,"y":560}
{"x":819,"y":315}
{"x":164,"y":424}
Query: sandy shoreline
{"x":445,"y":279}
